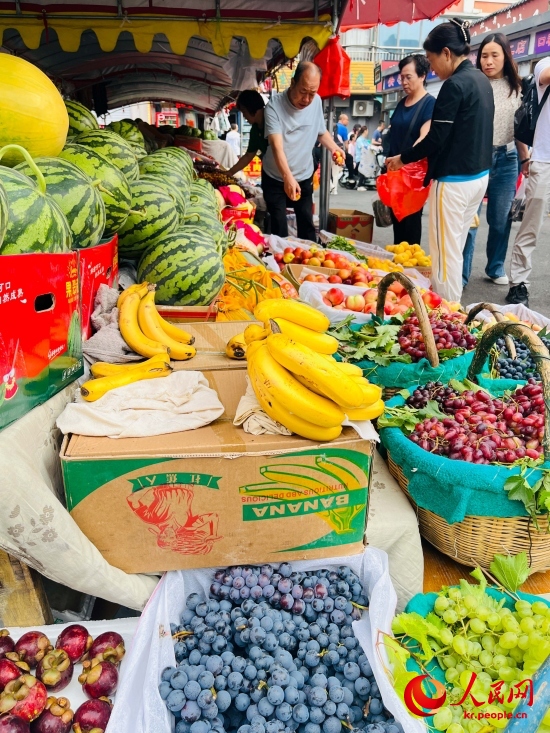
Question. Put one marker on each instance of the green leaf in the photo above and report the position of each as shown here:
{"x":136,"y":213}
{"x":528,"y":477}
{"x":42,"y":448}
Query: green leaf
{"x":477,"y":574}
{"x":543,"y":500}
{"x":418,"y":628}
{"x":404,"y":393}
{"x":434,"y":620}
{"x":445,"y":354}
{"x":510,"y":570}
{"x":458,"y":387}
{"x":432,"y":410}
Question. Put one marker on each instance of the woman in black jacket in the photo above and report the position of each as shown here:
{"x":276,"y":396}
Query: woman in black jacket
{"x":459,"y":149}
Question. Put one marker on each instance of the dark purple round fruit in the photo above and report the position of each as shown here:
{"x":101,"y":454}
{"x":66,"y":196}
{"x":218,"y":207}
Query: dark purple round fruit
{"x":11,"y":670}
{"x":108,"y":646}
{"x":98,"y":678}
{"x":57,"y":717}
{"x":13,"y":724}
{"x":75,"y":640}
{"x":55,"y":670}
{"x":32,"y":647}
{"x":7,"y":644}
{"x":92,"y":715}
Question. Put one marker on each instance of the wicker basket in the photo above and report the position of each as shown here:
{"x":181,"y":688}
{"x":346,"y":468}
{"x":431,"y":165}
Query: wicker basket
{"x":476,"y":539}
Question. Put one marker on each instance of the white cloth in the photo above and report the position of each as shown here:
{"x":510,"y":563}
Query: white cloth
{"x":452,"y":210}
{"x":36,"y":528}
{"x":537,"y":200}
{"x":253,"y":419}
{"x":541,"y":143}
{"x":233,"y":138}
{"x":181,"y":401}
{"x":221,"y":151}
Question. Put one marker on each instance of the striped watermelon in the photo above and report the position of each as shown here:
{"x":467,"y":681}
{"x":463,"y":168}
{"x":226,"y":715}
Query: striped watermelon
{"x":156,"y":165}
{"x":175,"y":193}
{"x":3,"y":214}
{"x":139,"y":152}
{"x":128,"y":130}
{"x":114,"y":148}
{"x":153,"y":216}
{"x":209,"y":229}
{"x":76,"y":195}
{"x":80,"y":118}
{"x":184,"y":272}
{"x":35,"y":221}
{"x":178,"y":157}
{"x":203,"y":189}
{"x":111,"y":182}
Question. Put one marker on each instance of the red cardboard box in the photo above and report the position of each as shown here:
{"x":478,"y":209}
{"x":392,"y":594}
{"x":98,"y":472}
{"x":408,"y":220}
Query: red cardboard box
{"x":96,"y":265}
{"x":351,"y":224}
{"x":40,"y":337}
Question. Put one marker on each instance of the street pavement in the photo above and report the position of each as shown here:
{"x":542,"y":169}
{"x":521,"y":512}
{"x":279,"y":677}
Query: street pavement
{"x":478,"y":288}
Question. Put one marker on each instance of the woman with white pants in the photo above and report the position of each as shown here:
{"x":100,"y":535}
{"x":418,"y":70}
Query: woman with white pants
{"x":459,"y":149}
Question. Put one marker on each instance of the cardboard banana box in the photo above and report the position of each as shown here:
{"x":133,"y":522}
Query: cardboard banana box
{"x":217,"y":495}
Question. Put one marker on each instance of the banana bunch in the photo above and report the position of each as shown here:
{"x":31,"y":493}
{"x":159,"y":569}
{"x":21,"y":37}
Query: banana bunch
{"x":110,"y":376}
{"x":145,"y":331}
{"x":296,"y":379}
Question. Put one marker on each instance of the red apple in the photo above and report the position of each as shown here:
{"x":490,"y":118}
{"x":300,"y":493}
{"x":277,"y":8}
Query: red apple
{"x":355,"y":303}
{"x":335,"y":279}
{"x":344,"y":273}
{"x":310,"y":278}
{"x":431,"y":299}
{"x":278,"y":256}
{"x":288,"y":250}
{"x":406,"y":300}
{"x":370,"y":308}
{"x":335,"y":296}
{"x":397,"y":288}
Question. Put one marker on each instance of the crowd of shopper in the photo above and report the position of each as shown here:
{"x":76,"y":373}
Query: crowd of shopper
{"x":467,"y":136}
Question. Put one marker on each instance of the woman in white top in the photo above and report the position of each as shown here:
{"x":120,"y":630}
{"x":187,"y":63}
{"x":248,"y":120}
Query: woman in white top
{"x":494,"y":58}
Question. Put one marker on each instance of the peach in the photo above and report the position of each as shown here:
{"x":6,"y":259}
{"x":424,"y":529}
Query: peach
{"x":335,"y":279}
{"x":335,"y":296}
{"x":355,"y":303}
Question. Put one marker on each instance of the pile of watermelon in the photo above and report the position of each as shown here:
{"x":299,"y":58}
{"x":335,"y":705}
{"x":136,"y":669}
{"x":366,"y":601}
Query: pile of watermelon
{"x":104,"y":182}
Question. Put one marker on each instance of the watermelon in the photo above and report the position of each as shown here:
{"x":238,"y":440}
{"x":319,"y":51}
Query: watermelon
{"x":76,"y":195}
{"x":139,"y":152}
{"x":185,"y":273}
{"x":81,"y":118}
{"x":212,"y":230}
{"x":153,"y":216}
{"x":162,"y":166}
{"x":110,"y":181}
{"x":178,"y":157}
{"x":114,"y":148}
{"x":35,"y":221}
{"x":128,"y":130}
{"x":175,"y":193}
{"x":3,"y":213}
{"x":201,"y":191}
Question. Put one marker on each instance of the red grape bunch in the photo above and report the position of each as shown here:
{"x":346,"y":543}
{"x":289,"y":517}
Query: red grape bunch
{"x":481,"y":429}
{"x":448,"y":330}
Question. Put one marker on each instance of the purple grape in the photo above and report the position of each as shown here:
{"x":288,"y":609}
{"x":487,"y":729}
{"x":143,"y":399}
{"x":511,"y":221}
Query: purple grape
{"x":284,"y":585}
{"x":245,"y":592}
{"x":263,"y":580}
{"x":238,"y":582}
{"x":236,"y":571}
{"x":252,"y":580}
{"x":256,"y":592}
{"x":321,"y":591}
{"x":298,"y":607}
{"x":308,"y":594}
{"x":286,"y":602}
{"x":285,"y":569}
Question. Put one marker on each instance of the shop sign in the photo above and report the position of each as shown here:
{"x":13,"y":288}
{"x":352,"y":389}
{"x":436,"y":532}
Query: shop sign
{"x":361,"y":77}
{"x":392,"y":82}
{"x":542,"y":42}
{"x":520,"y":46}
{"x":377,"y":74}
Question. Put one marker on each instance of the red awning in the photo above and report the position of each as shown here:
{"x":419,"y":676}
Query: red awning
{"x":368,"y":13}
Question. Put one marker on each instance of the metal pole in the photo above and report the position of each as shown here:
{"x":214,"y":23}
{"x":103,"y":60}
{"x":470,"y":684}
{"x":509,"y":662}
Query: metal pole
{"x":326,"y":170}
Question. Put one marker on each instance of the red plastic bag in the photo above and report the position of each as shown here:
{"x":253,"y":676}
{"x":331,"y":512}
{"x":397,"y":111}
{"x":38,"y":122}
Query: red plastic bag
{"x":334,"y":64}
{"x":403,"y":190}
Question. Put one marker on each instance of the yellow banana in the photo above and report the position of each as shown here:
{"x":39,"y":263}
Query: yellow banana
{"x":352,"y":370}
{"x":175,"y":332}
{"x":96,"y":388}
{"x":293,"y":311}
{"x":104,"y":369}
{"x":236,"y":347}
{"x":292,"y":395}
{"x":132,"y":333}
{"x":371,"y":392}
{"x":140,"y":288}
{"x":302,"y":360}
{"x":322,"y":343}
{"x":147,"y":318}
{"x":294,"y":423}
{"x":366,"y":413}
{"x":254,"y":332}
{"x":251,"y":349}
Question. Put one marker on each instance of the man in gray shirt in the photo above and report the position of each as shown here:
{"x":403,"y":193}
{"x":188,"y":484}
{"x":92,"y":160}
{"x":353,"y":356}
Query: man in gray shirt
{"x":294,"y":121}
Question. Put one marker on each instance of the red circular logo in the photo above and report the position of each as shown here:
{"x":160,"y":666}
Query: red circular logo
{"x":418,"y":702}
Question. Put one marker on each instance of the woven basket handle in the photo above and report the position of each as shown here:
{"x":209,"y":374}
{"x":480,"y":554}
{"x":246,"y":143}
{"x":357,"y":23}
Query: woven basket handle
{"x":540,"y":355}
{"x":419,"y":307}
{"x":499,"y":318}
